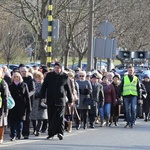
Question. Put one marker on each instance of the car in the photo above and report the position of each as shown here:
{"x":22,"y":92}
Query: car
{"x":12,"y":66}
{"x":145,"y":72}
{"x":100,"y":66}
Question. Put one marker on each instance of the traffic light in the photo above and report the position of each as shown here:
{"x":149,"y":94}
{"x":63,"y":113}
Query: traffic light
{"x":141,"y":54}
{"x":125,"y":54}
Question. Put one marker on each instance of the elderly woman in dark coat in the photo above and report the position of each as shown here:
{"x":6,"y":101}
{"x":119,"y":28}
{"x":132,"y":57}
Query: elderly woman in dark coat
{"x":85,"y":89}
{"x":3,"y":105}
{"x":17,"y":115}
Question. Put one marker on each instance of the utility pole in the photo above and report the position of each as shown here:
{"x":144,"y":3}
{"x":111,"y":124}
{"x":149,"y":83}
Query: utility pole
{"x":90,"y":36}
{"x":49,"y":38}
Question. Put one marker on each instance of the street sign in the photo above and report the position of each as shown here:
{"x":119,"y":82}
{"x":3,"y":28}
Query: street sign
{"x":105,"y":48}
{"x":106,"y":28}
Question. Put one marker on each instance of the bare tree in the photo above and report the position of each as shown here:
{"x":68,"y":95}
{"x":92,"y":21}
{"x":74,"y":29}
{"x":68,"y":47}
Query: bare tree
{"x":12,"y":34}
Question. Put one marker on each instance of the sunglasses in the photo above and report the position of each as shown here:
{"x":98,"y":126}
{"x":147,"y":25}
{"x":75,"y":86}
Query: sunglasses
{"x":81,"y":76}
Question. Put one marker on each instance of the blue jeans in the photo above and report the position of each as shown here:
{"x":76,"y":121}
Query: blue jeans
{"x":16,"y":128}
{"x":105,"y":111}
{"x":130,"y":108}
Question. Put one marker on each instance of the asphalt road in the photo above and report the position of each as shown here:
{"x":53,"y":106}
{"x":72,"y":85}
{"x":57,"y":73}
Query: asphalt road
{"x":99,"y":138}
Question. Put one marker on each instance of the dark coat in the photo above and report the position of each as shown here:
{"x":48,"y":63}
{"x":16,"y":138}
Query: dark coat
{"x":146,"y":99}
{"x":116,"y":110}
{"x":3,"y":110}
{"x":98,"y":97}
{"x":57,"y":88}
{"x":109,"y":93}
{"x":20,"y":94}
{"x":98,"y":94}
{"x":85,"y":89}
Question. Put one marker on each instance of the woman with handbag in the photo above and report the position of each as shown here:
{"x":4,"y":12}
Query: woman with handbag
{"x":3,"y":105}
{"x":19,"y":92}
{"x":85,"y":89}
{"x":39,"y":107}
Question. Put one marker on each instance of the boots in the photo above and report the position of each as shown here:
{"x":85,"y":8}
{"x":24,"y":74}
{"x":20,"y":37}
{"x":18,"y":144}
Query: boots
{"x":116,"y":121}
{"x":102,"y":122}
{"x":146,"y":117}
{"x":69,"y":126}
{"x":1,"y":134}
{"x":111,"y":120}
{"x":107,"y":122}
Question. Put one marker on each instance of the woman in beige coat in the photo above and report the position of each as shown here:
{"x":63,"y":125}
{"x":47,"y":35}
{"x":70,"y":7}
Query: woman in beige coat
{"x":3,"y":105}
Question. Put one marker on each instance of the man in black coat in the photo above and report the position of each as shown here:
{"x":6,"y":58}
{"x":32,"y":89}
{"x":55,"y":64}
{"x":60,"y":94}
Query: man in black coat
{"x":56,"y":87}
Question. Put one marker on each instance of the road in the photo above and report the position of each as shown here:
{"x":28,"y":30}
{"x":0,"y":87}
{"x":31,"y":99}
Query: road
{"x":99,"y":138}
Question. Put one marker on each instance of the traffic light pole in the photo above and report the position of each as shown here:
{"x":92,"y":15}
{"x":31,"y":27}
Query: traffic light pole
{"x":49,"y":38}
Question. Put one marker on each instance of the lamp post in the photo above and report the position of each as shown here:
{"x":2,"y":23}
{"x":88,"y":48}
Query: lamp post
{"x":49,"y":38}
{"x":90,"y":36}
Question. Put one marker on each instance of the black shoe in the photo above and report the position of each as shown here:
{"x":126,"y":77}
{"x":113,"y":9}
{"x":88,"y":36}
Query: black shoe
{"x":78,"y":127}
{"x":37,"y":133}
{"x":43,"y":131}
{"x":92,"y":126}
{"x":85,"y":126}
{"x":131,"y":126}
{"x":146,"y":120}
{"x":18,"y":136}
{"x":110,"y":124}
{"x":60,"y":136}
{"x":127,"y":125}
{"x":13,"y":139}
{"x":26,"y":137}
{"x":50,"y":137}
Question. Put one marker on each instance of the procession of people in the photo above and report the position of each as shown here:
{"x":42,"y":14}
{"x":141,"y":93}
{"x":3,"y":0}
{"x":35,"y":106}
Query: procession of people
{"x":55,"y":101}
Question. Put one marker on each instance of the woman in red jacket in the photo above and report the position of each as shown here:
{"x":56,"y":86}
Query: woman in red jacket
{"x":110,"y":99}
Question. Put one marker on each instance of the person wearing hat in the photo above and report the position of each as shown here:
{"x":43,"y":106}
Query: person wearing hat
{"x":146,"y":98}
{"x":115,"y":111}
{"x":98,"y":98}
{"x":56,"y":89}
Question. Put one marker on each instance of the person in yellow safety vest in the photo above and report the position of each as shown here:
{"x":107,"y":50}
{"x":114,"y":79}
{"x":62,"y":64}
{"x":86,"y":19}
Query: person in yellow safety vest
{"x":130,"y":90}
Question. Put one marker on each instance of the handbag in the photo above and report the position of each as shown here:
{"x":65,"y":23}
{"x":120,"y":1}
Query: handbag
{"x":42,"y":105}
{"x":10,"y":102}
{"x":88,"y":101}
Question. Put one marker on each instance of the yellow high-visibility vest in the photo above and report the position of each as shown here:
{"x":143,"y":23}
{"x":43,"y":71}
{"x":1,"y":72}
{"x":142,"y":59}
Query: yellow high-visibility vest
{"x":130,"y":88}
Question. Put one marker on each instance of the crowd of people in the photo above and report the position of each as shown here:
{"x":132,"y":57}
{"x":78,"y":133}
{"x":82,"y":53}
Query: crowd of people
{"x":56,"y":100}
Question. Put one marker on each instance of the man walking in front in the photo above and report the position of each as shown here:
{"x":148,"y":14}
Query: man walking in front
{"x":130,"y":90}
{"x":56,"y":87}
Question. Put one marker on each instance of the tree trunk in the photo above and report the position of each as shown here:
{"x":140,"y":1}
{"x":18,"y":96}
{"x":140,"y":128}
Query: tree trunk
{"x":42,"y":51}
{"x":80,"y":60}
{"x":66,"y":59}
